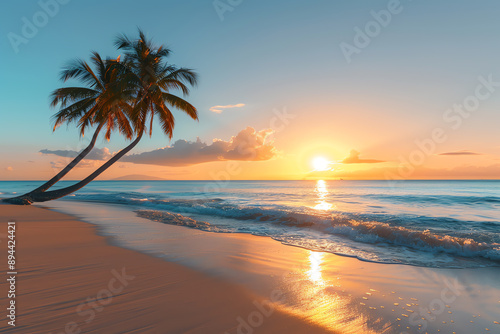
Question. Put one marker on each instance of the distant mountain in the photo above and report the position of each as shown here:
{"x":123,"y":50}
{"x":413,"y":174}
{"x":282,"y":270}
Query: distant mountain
{"x":137,"y":177}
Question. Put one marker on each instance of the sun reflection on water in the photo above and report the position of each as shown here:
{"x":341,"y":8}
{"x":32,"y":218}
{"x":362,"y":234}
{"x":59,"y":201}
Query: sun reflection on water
{"x":320,"y":297}
{"x":322,"y":192}
{"x":314,"y":273}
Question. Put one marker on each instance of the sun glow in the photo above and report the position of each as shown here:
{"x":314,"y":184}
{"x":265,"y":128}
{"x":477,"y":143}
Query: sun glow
{"x":320,"y":164}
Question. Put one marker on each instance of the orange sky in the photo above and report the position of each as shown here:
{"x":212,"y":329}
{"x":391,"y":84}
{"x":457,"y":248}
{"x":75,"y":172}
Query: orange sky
{"x":274,"y":96}
{"x":279,"y":153}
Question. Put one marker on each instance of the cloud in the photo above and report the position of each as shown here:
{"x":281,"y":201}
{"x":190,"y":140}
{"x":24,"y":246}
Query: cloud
{"x":353,"y":158}
{"x":459,"y":172}
{"x":460,"y":153}
{"x":9,"y":169}
{"x":95,"y":154}
{"x":60,"y":164}
{"x":219,"y":109}
{"x":247,"y":145}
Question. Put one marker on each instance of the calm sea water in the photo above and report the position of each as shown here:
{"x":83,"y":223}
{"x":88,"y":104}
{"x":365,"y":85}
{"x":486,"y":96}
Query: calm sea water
{"x":452,"y":224}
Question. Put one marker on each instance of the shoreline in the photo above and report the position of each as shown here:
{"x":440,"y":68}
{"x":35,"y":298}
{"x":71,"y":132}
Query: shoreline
{"x":69,"y":275}
{"x":324,"y":291}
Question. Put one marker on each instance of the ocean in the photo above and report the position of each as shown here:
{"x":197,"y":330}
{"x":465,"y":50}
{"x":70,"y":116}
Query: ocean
{"x":444,"y":224}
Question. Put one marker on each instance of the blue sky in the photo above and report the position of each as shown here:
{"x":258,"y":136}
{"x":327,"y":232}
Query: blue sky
{"x":267,"y":55}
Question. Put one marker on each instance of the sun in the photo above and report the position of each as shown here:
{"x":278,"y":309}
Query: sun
{"x":320,"y":164}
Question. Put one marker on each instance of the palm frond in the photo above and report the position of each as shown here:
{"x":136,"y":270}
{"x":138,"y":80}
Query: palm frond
{"x":166,"y":118}
{"x":65,"y":95}
{"x":181,"y":104}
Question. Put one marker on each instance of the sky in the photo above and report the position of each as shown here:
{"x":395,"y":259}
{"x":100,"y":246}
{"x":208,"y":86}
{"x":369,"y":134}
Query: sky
{"x":288,"y":89}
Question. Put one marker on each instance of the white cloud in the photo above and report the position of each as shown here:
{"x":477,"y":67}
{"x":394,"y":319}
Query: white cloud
{"x":219,"y":109}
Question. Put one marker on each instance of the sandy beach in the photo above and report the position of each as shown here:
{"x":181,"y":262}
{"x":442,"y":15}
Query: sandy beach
{"x":202,"y":282}
{"x":64,"y":267}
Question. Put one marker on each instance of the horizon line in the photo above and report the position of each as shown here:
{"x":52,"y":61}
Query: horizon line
{"x":319,"y":179}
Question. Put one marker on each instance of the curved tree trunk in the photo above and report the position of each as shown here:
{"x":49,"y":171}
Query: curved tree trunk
{"x":25,"y":199}
{"x":55,"y":194}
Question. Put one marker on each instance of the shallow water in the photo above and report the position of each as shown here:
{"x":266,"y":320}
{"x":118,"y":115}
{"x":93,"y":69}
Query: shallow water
{"x":453,"y":224}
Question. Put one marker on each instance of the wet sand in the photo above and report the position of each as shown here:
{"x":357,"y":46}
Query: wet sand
{"x":71,"y":281}
{"x":200,"y":282}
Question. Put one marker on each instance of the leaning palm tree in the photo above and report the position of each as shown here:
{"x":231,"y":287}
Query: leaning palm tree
{"x":146,"y":73}
{"x":101,"y":103}
{"x":154,"y":79}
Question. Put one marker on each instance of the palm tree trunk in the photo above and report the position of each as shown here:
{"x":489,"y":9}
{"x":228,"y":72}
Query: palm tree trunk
{"x":71,"y":165}
{"x":25,"y":199}
{"x":55,"y":194}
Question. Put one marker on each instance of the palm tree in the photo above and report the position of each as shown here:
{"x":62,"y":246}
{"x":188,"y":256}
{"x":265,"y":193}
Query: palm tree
{"x":154,"y":79}
{"x":146,"y":73}
{"x":102,"y":102}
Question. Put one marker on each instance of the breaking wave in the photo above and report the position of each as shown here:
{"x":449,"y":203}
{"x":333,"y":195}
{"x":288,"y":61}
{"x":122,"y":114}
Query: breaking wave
{"x":416,"y":240}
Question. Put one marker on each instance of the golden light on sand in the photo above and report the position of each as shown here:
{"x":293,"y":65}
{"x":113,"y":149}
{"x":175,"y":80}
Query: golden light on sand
{"x":320,"y":164}
{"x":318,"y":295}
{"x":314,"y":273}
